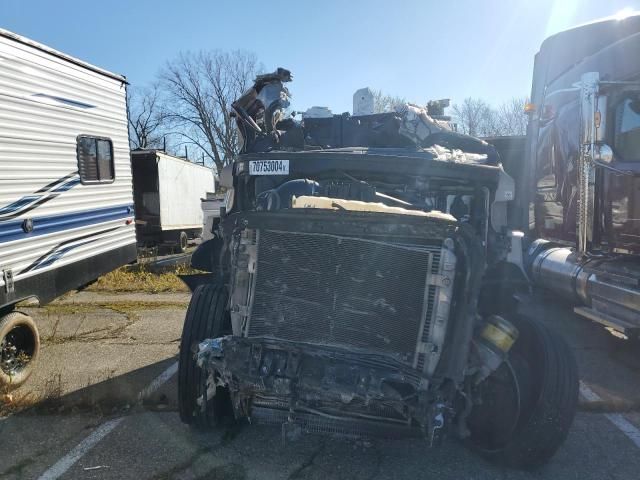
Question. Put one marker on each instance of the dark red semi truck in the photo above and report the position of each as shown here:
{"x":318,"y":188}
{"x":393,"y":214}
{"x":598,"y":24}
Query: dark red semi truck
{"x":579,"y":199}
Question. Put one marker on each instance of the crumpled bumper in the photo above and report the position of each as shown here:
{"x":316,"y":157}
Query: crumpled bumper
{"x":317,"y":388}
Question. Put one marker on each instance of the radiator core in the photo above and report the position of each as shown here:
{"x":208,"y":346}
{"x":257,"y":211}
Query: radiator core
{"x":344,"y":291}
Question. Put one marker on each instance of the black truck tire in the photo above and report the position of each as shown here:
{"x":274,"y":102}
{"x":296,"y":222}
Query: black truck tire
{"x":206,"y":317}
{"x":547,"y":387}
{"x":19,"y":349}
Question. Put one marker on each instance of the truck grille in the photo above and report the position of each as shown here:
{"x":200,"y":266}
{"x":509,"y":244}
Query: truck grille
{"x":344,"y":291}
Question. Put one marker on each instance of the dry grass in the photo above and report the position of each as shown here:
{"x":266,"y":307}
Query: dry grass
{"x":53,"y":400}
{"x":13,"y":402}
{"x":141,"y":280}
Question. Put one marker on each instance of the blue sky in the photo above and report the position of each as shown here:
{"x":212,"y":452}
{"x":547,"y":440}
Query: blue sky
{"x":416,"y":49}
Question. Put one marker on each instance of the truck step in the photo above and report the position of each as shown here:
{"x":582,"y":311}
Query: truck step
{"x":623,"y":326}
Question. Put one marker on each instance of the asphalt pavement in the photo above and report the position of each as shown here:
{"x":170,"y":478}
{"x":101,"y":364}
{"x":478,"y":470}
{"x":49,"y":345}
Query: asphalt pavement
{"x":102,"y":405}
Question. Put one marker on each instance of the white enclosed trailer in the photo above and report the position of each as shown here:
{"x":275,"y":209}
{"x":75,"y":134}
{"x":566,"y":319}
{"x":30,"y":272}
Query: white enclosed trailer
{"x":66,"y":203}
{"x":168,"y":192}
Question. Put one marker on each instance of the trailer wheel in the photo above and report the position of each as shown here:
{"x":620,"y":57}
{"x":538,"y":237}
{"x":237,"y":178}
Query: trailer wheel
{"x":183,"y":242}
{"x":528,"y":404}
{"x":206,"y":317}
{"x":19,"y":348}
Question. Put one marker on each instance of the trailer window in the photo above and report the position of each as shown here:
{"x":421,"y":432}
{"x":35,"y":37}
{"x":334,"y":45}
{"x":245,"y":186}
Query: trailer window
{"x":627,"y":129}
{"x":95,"y":160}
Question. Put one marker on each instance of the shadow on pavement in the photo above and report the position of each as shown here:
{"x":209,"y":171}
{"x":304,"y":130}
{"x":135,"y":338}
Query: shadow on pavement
{"x":113,"y":395}
{"x":609,"y":365}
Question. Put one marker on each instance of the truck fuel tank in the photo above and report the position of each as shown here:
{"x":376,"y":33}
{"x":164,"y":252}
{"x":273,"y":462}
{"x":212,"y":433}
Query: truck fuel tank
{"x":608,"y":288}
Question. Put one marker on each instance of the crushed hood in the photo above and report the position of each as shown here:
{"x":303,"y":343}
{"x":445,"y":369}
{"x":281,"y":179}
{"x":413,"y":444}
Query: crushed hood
{"x":264,"y":126}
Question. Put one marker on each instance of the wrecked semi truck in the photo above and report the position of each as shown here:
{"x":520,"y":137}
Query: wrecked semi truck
{"x":581,"y":171}
{"x":362,"y":282}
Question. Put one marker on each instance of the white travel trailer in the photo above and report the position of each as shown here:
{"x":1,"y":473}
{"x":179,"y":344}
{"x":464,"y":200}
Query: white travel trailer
{"x":66,"y":202}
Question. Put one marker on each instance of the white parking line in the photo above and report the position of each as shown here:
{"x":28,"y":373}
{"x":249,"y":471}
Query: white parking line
{"x":617,"y":419}
{"x":158,"y":381}
{"x":66,"y":462}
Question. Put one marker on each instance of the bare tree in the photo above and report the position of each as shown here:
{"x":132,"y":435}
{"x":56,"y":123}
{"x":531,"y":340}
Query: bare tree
{"x":476,"y":117}
{"x":199,"y":90}
{"x":512,"y":119}
{"x":383,"y":102}
{"x":146,"y":116}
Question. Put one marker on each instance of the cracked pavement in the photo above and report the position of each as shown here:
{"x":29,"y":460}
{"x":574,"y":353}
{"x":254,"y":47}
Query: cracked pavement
{"x":99,"y":355}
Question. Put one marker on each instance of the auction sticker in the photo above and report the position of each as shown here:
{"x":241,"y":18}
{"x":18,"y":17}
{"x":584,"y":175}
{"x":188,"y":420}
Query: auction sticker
{"x":269,"y":167}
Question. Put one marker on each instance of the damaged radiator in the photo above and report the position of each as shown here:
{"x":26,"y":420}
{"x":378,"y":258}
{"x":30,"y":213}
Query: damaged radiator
{"x":387,"y":297}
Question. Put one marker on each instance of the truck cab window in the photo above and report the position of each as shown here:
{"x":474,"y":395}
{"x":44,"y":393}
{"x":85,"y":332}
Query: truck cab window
{"x":95,"y":160}
{"x":627,"y":129}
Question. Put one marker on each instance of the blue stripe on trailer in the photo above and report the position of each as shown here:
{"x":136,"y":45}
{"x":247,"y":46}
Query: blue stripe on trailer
{"x":12,"y":207}
{"x":12,"y":230}
{"x":43,"y":195}
{"x":67,"y":101}
{"x":67,"y":186}
{"x":59,"y":250}
{"x":58,"y":254}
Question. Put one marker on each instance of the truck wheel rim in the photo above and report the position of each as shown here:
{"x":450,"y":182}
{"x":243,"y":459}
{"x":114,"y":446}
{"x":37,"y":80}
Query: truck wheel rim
{"x":16,"y":350}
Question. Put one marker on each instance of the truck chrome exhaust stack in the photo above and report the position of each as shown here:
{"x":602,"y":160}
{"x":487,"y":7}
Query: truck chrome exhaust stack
{"x":586,"y":167}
